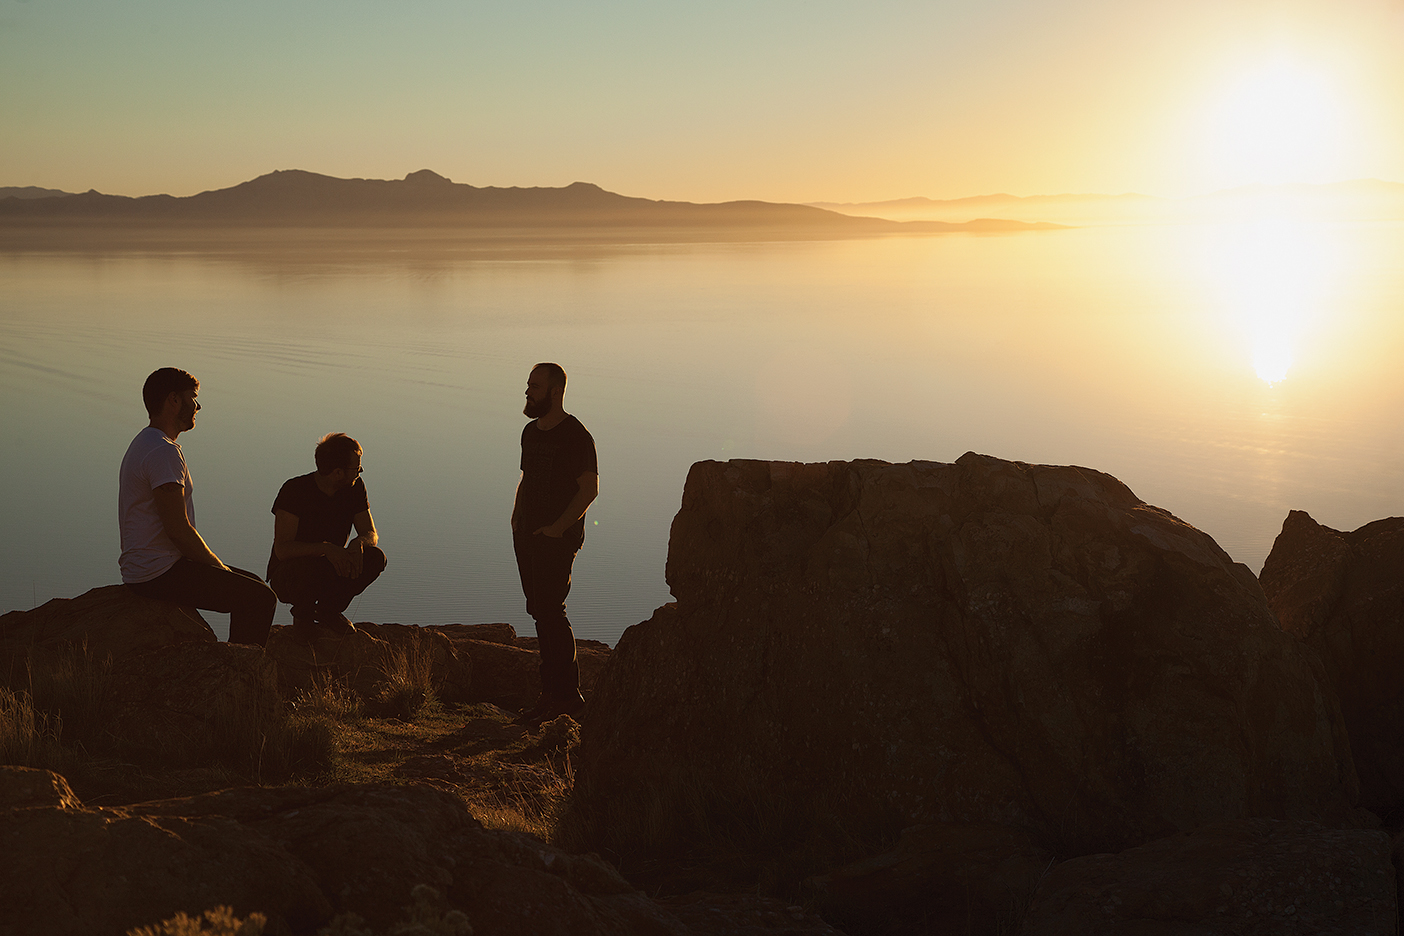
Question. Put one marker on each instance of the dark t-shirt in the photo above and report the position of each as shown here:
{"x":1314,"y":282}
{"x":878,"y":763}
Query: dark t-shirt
{"x":552,"y":463}
{"x":320,"y":519}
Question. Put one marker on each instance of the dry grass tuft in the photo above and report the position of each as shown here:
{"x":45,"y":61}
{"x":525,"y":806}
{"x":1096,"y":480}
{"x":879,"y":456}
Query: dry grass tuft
{"x":220,"y":921}
{"x":28,"y":738}
{"x":407,"y":684}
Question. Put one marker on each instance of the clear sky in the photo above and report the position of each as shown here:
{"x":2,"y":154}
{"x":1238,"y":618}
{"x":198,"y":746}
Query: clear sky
{"x":785,"y":100}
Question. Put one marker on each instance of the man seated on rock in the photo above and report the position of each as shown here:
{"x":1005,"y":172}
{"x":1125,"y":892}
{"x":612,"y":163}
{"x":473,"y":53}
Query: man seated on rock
{"x":313,"y":567}
{"x":163,"y":555}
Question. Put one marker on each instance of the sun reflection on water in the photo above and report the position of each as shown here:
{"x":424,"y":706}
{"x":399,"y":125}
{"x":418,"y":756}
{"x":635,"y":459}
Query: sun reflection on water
{"x":1275,"y":277}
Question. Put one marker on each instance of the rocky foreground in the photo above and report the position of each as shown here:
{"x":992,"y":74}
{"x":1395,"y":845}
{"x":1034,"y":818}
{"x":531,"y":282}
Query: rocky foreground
{"x":982,"y":697}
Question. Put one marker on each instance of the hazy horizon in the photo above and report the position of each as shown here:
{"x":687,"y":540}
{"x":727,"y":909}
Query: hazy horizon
{"x":785,"y":102}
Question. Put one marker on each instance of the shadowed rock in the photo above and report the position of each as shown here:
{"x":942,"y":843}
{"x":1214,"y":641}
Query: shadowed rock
{"x":191,"y":702}
{"x":301,"y":855}
{"x":1343,"y":594}
{"x":1247,"y":877}
{"x":864,"y":646}
{"x":939,"y":878}
{"x":113,"y":621}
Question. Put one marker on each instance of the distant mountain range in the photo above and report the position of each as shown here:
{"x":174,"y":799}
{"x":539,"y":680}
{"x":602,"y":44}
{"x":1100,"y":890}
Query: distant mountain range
{"x":294,"y":198}
{"x":1363,"y":199}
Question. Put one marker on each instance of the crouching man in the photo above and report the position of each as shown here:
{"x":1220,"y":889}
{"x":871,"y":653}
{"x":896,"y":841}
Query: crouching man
{"x":313,"y":567}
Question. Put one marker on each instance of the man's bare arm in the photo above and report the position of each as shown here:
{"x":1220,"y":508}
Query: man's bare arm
{"x":170,"y":507}
{"x":516,"y":504}
{"x":588,"y":489}
{"x":286,"y":546}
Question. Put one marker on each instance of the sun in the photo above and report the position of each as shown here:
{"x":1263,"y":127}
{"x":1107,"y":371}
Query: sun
{"x":1276,"y":123}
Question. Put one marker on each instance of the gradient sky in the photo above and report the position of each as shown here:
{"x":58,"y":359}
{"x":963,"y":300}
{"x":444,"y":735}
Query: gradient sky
{"x":787,"y":100}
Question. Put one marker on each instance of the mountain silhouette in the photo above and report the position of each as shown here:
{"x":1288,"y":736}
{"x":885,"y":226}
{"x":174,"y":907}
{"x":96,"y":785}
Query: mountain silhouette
{"x":296,"y":198}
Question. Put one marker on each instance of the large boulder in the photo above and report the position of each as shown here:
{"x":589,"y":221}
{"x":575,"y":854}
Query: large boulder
{"x":1343,"y":594}
{"x":112,"y":621}
{"x":1246,"y":877}
{"x":859,"y":647}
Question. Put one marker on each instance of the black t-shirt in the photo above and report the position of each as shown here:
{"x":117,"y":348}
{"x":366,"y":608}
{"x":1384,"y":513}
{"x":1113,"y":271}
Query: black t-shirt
{"x":552,"y":463}
{"x":320,"y":519}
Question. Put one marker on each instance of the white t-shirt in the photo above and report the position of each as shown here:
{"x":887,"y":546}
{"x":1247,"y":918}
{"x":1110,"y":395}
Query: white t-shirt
{"x":151,"y":461}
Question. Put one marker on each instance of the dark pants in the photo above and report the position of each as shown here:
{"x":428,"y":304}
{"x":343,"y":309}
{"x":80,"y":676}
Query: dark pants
{"x":544,"y":565}
{"x":242,"y":595}
{"x":310,"y":584}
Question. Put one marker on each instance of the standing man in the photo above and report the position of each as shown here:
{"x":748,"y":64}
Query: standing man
{"x":312,"y":567}
{"x":560,"y":479}
{"x":163,"y":555}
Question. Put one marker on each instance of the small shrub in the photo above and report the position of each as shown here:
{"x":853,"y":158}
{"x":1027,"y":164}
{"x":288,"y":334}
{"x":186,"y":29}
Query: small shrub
{"x":220,"y":921}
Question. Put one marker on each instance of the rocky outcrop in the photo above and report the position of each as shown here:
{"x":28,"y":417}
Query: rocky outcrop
{"x":363,"y":660}
{"x":506,"y":667}
{"x":89,"y":871}
{"x":111,"y":621}
{"x":299,"y":856}
{"x":1343,"y":594}
{"x":1247,"y":877}
{"x":867,"y":646}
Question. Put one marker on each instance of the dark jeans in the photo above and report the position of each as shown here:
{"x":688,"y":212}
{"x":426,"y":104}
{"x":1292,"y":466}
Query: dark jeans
{"x":544,"y":565}
{"x":242,"y":595}
{"x":310,"y":584}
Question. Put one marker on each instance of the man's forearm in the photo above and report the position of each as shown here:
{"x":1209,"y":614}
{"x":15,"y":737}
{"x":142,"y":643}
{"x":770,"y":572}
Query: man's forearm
{"x":193,"y":546}
{"x":576,"y":508}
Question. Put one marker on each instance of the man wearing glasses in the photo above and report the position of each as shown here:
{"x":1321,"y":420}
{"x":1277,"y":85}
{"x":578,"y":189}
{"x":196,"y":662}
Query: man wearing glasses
{"x":313,"y":567}
{"x":163,"y":555}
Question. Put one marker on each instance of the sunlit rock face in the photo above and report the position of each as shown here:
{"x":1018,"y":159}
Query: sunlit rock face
{"x":859,"y":647}
{"x":1343,"y":593}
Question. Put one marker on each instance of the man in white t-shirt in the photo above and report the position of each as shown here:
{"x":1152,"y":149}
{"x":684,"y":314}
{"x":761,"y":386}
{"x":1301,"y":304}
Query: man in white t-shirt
{"x":163,"y":555}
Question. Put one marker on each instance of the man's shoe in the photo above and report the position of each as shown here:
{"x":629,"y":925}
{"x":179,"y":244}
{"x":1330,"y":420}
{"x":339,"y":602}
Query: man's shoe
{"x":337,"y":624}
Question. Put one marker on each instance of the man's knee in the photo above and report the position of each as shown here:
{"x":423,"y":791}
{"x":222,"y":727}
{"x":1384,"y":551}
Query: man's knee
{"x":256,"y":596}
{"x":374,"y":561}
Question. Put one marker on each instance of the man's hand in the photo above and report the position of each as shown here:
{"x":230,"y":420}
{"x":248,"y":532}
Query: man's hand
{"x":340,"y":560}
{"x":555,"y":531}
{"x":356,"y":552}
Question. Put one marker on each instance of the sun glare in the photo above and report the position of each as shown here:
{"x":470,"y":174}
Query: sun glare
{"x":1278,"y":123}
{"x":1275,"y":280}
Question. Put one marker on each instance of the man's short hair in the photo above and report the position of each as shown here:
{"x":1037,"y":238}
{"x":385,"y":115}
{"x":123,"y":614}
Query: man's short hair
{"x":334,"y":451}
{"x":555,"y":375}
{"x":161,"y":384}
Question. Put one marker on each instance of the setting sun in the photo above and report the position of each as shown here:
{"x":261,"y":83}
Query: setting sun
{"x":1283,"y":122}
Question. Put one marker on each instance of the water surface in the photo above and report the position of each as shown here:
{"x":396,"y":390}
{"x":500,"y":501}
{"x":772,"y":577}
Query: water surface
{"x":1227,"y":373}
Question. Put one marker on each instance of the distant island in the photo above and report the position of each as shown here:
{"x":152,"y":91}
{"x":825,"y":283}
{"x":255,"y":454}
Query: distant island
{"x":427,"y":200}
{"x":1360,"y":199}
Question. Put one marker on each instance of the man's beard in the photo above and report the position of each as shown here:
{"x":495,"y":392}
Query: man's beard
{"x":535,"y":409}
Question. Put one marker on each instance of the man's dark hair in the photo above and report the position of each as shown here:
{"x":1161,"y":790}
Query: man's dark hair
{"x":555,"y":375}
{"x":161,"y":384}
{"x":334,"y":451}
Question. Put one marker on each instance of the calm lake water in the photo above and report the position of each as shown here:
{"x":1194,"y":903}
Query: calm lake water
{"x":1227,"y":373}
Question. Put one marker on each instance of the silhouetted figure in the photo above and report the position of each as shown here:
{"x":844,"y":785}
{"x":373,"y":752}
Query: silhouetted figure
{"x":312,"y":566}
{"x":163,"y":555}
{"x":560,"y":479}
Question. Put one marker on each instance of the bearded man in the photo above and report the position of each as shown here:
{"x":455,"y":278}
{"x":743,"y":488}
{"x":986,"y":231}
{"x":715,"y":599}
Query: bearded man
{"x":560,"y":479}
